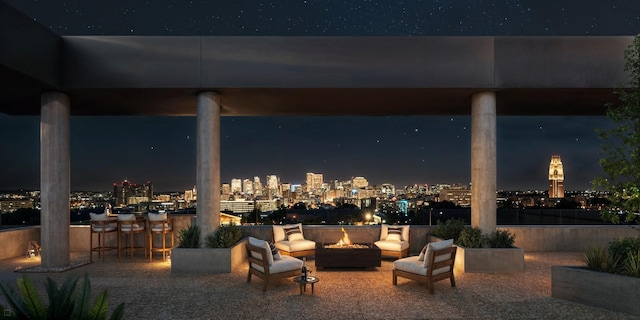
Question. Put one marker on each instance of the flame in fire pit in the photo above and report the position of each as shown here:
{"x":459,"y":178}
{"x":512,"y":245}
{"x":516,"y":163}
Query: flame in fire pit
{"x":345,"y":239}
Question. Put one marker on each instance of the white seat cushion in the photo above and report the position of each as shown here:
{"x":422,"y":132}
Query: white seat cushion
{"x":107,"y":227}
{"x":390,"y":245}
{"x":298,"y":245}
{"x":285,"y":264}
{"x":157,"y":221}
{"x":415,"y":266}
{"x":411,"y":265}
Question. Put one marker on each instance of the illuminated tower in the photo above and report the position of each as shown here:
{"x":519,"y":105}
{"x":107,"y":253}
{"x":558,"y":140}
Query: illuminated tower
{"x":556,"y":178}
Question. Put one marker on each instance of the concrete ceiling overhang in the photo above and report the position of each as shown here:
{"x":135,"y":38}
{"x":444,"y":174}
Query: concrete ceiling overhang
{"x":145,"y":75}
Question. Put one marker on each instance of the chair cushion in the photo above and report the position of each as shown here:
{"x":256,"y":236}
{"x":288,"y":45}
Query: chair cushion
{"x":126,"y":217}
{"x":101,"y":217}
{"x":274,"y":251}
{"x":394,"y":234}
{"x":293,"y":234}
{"x":279,"y":234}
{"x":157,"y":216}
{"x":410,"y":264}
{"x":436,"y":246}
{"x":98,"y":216}
{"x":415,"y":266}
{"x":384,"y":232}
{"x":131,"y":227}
{"x":390,"y":245}
{"x":283,"y":265}
{"x":157,"y":221}
{"x":298,"y":245}
{"x":261,"y":244}
{"x":423,"y":252}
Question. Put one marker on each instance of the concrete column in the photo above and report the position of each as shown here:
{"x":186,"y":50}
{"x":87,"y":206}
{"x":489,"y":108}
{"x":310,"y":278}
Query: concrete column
{"x":208,"y":162}
{"x":483,"y":161}
{"x":55,"y":179}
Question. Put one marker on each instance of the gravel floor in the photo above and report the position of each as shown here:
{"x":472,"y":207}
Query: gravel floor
{"x":150,"y":291}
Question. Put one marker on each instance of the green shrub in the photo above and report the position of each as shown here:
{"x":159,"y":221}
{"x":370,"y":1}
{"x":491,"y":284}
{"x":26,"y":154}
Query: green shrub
{"x":501,"y":239}
{"x":224,"y":237}
{"x":621,"y":248}
{"x":189,"y":237}
{"x":595,"y":258}
{"x":64,"y":302}
{"x":448,"y":230}
{"x":471,"y":238}
{"x":632,"y":264}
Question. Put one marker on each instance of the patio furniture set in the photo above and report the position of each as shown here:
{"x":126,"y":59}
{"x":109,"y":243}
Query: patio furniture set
{"x":156,"y":230}
{"x":277,"y":259}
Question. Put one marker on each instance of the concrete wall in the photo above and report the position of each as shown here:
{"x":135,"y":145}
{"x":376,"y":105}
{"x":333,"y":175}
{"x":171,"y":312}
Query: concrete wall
{"x":14,"y":242}
{"x":566,"y":238}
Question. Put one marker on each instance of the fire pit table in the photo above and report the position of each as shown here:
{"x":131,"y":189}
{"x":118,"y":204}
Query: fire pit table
{"x":337,"y":250}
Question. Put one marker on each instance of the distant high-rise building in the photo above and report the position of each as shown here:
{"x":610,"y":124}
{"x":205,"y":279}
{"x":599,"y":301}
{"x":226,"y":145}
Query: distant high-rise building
{"x":556,"y":178}
{"x":359,"y":182}
{"x":127,"y":193}
{"x":225,"y":189}
{"x":257,"y":186}
{"x":273,"y":186}
{"x":247,"y":186}
{"x":190,"y":195}
{"x":314,"y":182}
{"x":236,"y":186}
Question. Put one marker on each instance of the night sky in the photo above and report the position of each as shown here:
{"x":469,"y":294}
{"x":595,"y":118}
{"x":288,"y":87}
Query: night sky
{"x":398,"y":150}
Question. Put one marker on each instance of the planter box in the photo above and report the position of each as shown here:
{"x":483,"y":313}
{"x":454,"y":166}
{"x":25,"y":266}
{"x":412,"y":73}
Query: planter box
{"x":598,"y":289}
{"x":208,"y":260}
{"x":488,"y":260}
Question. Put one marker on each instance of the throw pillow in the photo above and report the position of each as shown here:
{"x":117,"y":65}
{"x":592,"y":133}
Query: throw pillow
{"x":394,"y":234}
{"x":293,"y":234}
{"x":423,"y":252}
{"x":436,"y":246}
{"x":274,"y":251}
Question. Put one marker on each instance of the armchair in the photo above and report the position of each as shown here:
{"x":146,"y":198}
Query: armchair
{"x":434,"y":263}
{"x":267,"y":266}
{"x":290,"y":241}
{"x":394,"y":241}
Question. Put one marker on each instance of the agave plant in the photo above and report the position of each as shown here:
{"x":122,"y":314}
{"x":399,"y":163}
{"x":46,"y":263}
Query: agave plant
{"x":64,"y":302}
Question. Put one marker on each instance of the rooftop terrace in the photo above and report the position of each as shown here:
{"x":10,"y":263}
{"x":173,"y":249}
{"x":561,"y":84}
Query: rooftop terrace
{"x":150,"y":291}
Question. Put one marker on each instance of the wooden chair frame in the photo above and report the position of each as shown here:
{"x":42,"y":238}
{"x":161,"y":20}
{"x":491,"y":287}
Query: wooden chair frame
{"x":264,"y":263}
{"x":398,"y":254}
{"x":168,"y":227}
{"x":129,"y":235}
{"x":102,"y":247}
{"x":430,"y":278}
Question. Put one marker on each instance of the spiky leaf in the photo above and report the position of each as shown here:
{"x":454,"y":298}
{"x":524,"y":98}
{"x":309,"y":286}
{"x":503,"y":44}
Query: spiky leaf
{"x":32,"y":302}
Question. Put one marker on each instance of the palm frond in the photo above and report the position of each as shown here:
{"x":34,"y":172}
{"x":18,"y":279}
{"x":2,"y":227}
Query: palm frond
{"x":83,"y":298}
{"x":118,"y":313}
{"x":36,"y":309}
{"x":99,"y":309}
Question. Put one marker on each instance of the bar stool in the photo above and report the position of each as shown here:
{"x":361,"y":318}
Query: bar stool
{"x":159,"y":224}
{"x":129,"y":226}
{"x":101,"y":224}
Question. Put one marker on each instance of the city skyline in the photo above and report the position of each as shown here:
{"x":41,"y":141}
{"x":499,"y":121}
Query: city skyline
{"x":397,"y":150}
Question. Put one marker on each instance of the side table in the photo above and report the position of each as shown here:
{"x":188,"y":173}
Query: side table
{"x":303,"y":284}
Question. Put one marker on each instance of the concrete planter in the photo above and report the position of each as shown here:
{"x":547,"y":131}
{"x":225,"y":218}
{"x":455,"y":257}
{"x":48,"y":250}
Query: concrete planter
{"x":488,"y":260}
{"x":598,"y":289}
{"x":208,"y":260}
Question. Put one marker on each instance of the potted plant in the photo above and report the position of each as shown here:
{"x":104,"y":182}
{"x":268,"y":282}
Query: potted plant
{"x":492,"y":253}
{"x":477,"y":253}
{"x":224,"y":250}
{"x":614,"y":271}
